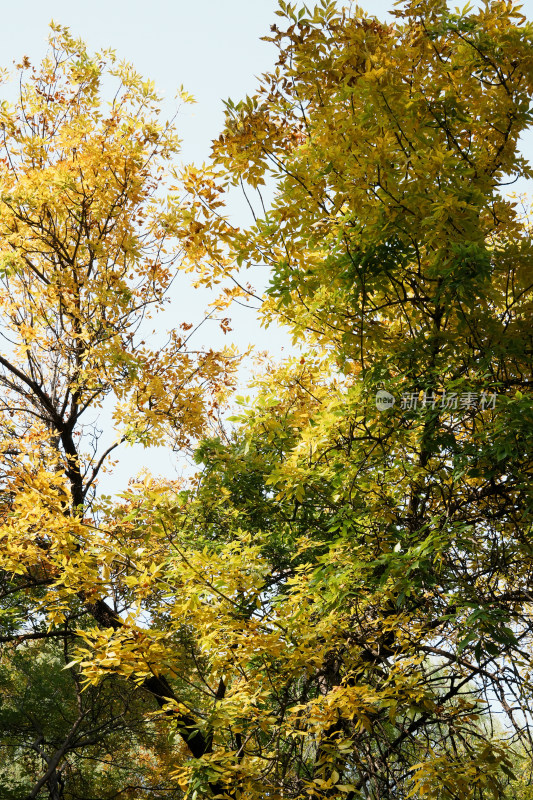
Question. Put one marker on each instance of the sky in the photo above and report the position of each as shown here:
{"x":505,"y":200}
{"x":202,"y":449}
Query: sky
{"x":213,"y":49}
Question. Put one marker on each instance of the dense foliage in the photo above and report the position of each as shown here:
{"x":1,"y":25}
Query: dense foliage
{"x":339,"y":603}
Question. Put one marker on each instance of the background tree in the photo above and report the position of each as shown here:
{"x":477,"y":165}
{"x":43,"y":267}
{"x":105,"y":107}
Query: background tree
{"x":59,"y":741}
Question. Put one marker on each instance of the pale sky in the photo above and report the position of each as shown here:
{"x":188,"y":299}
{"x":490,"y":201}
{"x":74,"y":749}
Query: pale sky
{"x":213,"y":48}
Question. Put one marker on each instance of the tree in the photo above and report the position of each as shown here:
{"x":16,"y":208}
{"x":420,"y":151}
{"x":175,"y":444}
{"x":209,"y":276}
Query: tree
{"x":87,"y":257}
{"x":395,"y":254}
{"x":74,"y":743}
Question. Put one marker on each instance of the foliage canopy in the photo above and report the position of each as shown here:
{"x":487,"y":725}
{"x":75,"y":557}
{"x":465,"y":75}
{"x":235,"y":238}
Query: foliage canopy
{"x":339,"y":604}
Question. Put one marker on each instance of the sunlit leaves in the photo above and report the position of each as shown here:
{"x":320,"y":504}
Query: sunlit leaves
{"x":339,"y":601}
